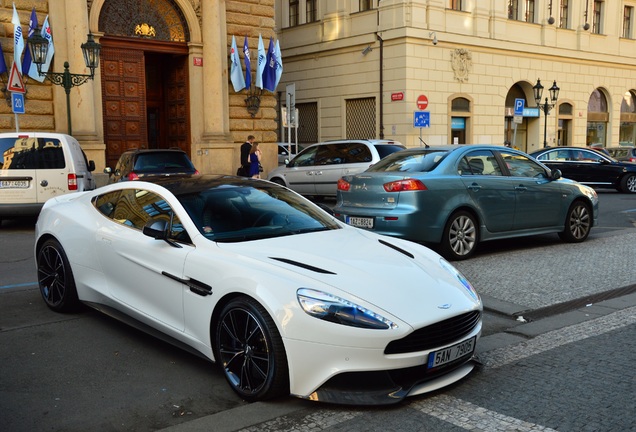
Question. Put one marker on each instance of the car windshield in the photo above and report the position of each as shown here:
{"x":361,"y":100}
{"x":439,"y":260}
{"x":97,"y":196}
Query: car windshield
{"x":234,"y":213}
{"x":423,"y":161}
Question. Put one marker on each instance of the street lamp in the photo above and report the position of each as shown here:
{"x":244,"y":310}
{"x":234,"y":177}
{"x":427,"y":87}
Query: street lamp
{"x":39,"y":48}
{"x":546,"y":107}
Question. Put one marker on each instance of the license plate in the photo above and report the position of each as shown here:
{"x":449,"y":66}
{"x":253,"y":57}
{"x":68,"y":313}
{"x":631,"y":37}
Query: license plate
{"x":360,"y":222}
{"x":14,"y":184}
{"x":447,"y":355}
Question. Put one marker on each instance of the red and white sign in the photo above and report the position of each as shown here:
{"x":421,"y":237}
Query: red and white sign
{"x":15,"y":84}
{"x":197,"y":61}
{"x":422,"y":102}
{"x":397,"y":96}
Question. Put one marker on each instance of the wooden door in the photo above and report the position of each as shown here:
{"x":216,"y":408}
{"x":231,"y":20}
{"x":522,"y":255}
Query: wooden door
{"x":123,"y":101}
{"x":177,"y":104}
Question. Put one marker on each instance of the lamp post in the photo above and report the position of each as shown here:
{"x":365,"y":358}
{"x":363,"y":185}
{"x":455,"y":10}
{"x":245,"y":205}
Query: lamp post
{"x":546,"y":106}
{"x":39,"y":47}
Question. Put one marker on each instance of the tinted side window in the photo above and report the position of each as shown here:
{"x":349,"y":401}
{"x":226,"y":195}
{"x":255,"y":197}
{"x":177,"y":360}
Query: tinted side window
{"x":480,"y":162}
{"x":358,"y":153}
{"x":305,"y":158}
{"x":521,"y":166}
{"x":386,"y":149}
{"x":32,"y":153}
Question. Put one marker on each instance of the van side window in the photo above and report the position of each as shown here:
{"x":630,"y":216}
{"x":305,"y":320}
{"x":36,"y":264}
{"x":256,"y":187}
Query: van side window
{"x":358,"y":152}
{"x":32,"y":153}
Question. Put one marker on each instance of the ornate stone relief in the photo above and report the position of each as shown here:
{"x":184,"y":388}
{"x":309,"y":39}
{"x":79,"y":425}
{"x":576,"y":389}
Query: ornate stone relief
{"x":462,"y":63}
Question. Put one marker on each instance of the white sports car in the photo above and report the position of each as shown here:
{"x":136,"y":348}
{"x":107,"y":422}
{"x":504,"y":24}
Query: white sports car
{"x":287,"y":299}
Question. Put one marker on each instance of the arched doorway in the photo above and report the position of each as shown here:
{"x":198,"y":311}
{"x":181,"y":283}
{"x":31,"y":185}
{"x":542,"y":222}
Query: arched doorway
{"x":144,"y":69}
{"x":597,"y":119}
{"x":517,"y":128}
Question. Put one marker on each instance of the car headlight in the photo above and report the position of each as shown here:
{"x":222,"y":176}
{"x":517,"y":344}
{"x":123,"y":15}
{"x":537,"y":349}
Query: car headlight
{"x":340,"y":311}
{"x":460,"y":277}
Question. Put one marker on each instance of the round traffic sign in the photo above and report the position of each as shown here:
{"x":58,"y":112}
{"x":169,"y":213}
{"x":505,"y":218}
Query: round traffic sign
{"x":422,"y":102}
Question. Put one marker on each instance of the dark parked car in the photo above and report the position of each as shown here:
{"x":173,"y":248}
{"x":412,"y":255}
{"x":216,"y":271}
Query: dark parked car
{"x":590,"y":167}
{"x":458,"y":196}
{"x":150,"y":165}
{"x":623,"y":153}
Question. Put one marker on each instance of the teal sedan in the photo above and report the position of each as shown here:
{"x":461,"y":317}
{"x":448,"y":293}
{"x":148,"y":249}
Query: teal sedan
{"x":457,"y":196}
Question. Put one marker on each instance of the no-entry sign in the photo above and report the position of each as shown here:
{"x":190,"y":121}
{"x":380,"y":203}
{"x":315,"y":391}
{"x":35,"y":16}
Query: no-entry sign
{"x":422,"y":102}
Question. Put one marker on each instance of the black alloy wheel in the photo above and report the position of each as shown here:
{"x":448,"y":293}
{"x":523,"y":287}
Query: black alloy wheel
{"x":460,"y":236}
{"x":578,"y":223}
{"x":55,"y":278}
{"x":250,"y":350}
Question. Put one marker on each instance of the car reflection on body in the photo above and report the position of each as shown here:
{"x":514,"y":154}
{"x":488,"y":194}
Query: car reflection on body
{"x":458,"y":196}
{"x":590,"y":167}
{"x":287,"y":299}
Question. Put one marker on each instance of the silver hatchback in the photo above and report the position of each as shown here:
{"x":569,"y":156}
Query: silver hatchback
{"x":317,"y":169}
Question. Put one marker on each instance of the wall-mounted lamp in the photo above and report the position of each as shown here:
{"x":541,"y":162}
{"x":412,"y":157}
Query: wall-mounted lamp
{"x":434,"y":36}
{"x":551,"y":19}
{"x":367,"y":50}
{"x":586,"y":26}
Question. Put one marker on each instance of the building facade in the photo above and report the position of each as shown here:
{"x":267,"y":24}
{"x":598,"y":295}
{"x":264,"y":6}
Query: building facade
{"x":162,"y":81}
{"x":450,"y":71}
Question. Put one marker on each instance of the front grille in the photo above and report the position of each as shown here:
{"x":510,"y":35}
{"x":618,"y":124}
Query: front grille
{"x":436,"y":335}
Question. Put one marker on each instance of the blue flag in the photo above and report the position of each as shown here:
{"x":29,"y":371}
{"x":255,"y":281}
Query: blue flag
{"x":236,"y":73}
{"x":248,"y":64}
{"x":279,"y":64}
{"x":29,"y":68}
{"x":269,"y":73}
{"x":3,"y":64}
{"x":260,"y":65}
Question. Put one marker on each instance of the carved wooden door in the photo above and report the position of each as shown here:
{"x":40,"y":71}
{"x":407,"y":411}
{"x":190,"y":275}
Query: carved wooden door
{"x":177,"y":104}
{"x":123,"y":101}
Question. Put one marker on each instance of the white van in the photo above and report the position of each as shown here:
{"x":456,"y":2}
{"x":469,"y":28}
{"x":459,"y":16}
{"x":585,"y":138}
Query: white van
{"x":37,"y":166}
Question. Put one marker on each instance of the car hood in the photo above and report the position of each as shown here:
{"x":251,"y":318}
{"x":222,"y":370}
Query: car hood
{"x":409,"y":281}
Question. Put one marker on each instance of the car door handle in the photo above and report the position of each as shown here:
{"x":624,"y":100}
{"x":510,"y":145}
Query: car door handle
{"x":474,"y":187}
{"x":318,"y":173}
{"x":521,"y":188}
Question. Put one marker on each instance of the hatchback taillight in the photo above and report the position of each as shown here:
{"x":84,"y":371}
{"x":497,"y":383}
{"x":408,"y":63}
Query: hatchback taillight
{"x":343,"y":185}
{"x":72,"y":182}
{"x":404,"y":185}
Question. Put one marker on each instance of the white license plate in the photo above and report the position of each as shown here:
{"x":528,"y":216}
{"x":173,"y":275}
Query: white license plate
{"x":14,"y":184}
{"x":447,"y":355}
{"x":360,"y":222}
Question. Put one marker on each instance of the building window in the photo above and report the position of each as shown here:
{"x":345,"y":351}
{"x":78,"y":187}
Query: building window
{"x":563,"y":14}
{"x":361,"y":118}
{"x":597,"y":119}
{"x":311,"y":11}
{"x":459,"y":121}
{"x":456,"y":5}
{"x":530,"y":11}
{"x":365,"y":5}
{"x":513,"y":9}
{"x":597,"y":15}
{"x":293,"y":13}
{"x":628,"y":12}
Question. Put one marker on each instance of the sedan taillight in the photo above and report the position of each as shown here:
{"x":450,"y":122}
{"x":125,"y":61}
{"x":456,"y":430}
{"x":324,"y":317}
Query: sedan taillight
{"x":344,"y":185}
{"x":133,"y":176}
{"x":404,"y":185}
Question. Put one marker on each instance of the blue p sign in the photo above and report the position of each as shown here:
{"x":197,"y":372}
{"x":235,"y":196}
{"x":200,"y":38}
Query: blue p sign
{"x":519,"y":105}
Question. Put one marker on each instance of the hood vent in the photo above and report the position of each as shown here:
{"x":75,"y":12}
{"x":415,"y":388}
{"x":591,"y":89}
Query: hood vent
{"x":301,"y":265}
{"x":408,"y":254}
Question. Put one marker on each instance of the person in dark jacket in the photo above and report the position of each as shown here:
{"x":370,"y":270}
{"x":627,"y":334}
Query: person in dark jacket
{"x":244,"y":169}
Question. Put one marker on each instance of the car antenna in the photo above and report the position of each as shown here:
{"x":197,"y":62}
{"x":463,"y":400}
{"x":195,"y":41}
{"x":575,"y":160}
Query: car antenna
{"x":423,"y":142}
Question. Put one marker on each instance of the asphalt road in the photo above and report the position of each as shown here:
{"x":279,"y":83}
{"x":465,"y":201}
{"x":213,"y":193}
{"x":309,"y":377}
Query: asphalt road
{"x":569,"y":368}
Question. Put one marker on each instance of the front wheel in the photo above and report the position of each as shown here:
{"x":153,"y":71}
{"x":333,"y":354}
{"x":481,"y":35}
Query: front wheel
{"x":628,"y":183}
{"x":578,"y":223}
{"x":55,"y":278}
{"x":460,"y":236}
{"x":250,"y":350}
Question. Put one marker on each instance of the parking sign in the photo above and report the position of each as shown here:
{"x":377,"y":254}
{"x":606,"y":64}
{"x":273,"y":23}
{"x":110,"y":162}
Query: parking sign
{"x":519,"y":105}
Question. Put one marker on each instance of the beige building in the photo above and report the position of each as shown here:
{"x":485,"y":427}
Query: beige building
{"x":363,"y":68}
{"x":163,"y":78}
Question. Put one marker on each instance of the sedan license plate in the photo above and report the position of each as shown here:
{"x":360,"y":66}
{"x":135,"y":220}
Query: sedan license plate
{"x":447,"y":355}
{"x":14,"y":184}
{"x":360,"y":222}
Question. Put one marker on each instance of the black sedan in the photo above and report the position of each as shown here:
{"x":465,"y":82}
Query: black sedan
{"x":590,"y":167}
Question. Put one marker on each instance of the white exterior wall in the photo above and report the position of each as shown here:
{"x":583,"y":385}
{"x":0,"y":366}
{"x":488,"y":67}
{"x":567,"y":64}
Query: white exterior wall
{"x":325,"y":61}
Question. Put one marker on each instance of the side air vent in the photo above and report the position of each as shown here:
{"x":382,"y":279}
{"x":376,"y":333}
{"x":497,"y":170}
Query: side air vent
{"x":302,"y":265}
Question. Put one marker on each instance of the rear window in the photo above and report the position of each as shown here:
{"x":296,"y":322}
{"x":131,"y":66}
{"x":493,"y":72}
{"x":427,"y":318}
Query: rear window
{"x":32,"y":153}
{"x":410,"y":162}
{"x":386,"y":149}
{"x":163,"y":162}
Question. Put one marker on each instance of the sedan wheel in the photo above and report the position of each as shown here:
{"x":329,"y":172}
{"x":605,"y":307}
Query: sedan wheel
{"x":55,"y":278}
{"x":578,"y":223}
{"x":251,"y":352}
{"x":460,"y":236}
{"x":628,"y":183}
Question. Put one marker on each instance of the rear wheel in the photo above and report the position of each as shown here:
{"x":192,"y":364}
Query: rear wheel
{"x":578,"y":223}
{"x":55,"y":278}
{"x":628,"y":183}
{"x":459,"y":240}
{"x":250,"y":350}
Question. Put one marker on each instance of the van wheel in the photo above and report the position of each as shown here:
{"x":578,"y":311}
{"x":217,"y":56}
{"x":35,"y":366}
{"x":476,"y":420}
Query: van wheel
{"x":55,"y":278}
{"x":460,"y":236}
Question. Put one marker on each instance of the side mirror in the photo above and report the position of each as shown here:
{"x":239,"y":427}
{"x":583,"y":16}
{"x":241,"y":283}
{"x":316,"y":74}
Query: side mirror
{"x":556,"y":174}
{"x":91,"y":166}
{"x":157,"y":229}
{"x":108,"y":170}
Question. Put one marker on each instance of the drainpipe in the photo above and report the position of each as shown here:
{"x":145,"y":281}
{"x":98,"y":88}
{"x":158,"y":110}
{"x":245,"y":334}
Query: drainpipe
{"x":381,"y":85}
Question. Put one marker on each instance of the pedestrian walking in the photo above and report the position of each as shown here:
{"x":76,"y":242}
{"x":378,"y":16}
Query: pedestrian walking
{"x":255,"y":161}
{"x":246,"y":147}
